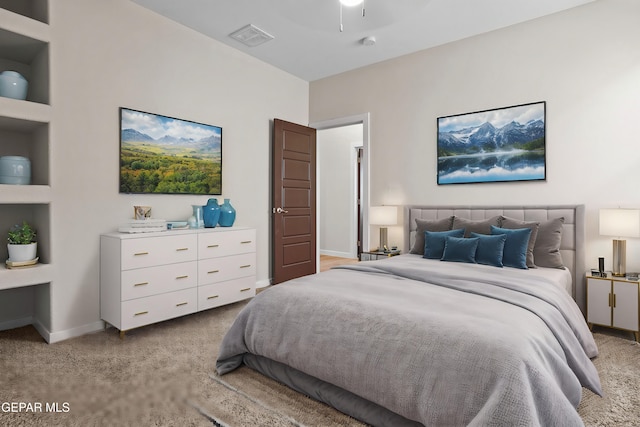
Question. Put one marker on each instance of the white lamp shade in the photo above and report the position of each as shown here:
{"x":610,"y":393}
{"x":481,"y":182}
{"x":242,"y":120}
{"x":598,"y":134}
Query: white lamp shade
{"x":383,"y":215}
{"x":620,"y":222}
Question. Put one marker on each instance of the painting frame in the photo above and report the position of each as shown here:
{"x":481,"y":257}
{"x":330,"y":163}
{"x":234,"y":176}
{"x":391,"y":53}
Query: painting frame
{"x":160,"y":154}
{"x":493,"y":145}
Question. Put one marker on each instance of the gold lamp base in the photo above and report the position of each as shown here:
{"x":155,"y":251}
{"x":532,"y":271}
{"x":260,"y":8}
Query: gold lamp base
{"x":619,"y":258}
{"x":383,"y":238}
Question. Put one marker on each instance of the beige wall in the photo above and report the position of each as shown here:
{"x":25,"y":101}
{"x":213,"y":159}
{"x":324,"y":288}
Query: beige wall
{"x":108,"y":54}
{"x":585,"y":63}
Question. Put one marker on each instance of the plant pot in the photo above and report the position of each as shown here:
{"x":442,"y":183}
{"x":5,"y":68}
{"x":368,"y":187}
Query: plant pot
{"x":18,"y":253}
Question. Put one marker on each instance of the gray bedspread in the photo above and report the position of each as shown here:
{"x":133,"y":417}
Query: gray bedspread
{"x":443,"y":344}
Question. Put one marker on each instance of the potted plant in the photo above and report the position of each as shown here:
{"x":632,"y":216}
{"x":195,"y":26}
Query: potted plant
{"x":22,"y":244}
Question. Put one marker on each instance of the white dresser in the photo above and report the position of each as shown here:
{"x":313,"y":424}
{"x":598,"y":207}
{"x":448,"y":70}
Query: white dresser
{"x":150,"y":277}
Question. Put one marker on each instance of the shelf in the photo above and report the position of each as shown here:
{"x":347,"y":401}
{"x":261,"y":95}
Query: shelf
{"x":18,"y":278}
{"x":16,"y":114}
{"x":24,"y":194}
{"x":26,"y":31}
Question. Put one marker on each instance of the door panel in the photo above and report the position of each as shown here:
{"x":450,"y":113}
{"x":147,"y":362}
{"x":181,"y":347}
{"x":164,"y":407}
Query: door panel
{"x":625,"y":312}
{"x":294,"y":201}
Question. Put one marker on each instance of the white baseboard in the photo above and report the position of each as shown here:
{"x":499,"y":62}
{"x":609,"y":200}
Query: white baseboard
{"x":44,"y":332}
{"x":75,"y":332}
{"x":338,"y":254}
{"x":263,"y":283}
{"x":16,"y":323}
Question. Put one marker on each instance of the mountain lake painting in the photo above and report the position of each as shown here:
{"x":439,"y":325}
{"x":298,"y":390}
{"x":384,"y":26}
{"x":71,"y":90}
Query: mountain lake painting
{"x":506,"y":144}
{"x":160,"y":154}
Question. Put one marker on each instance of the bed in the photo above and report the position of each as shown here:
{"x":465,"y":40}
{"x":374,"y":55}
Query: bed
{"x":429,"y":339}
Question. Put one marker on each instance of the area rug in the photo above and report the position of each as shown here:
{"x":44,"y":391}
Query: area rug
{"x":164,"y":375}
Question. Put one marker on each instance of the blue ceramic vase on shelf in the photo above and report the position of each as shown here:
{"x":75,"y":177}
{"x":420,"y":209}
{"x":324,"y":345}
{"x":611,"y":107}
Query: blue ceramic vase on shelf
{"x":211,"y":213}
{"x":227,"y":214}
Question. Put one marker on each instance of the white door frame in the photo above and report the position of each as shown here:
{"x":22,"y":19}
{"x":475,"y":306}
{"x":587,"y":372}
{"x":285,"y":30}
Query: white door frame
{"x":363,"y":119}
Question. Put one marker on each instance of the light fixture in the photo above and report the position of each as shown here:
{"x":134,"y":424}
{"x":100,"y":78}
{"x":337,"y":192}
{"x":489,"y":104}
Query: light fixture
{"x":349,"y":3}
{"x":383,"y":215}
{"x":368,"y":41}
{"x":620,"y":223}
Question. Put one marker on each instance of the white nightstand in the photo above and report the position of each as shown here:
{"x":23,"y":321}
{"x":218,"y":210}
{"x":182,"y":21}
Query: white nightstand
{"x":613,"y":302}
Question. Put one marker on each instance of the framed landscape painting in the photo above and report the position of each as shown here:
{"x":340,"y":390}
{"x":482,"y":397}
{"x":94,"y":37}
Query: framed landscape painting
{"x":165,"y":155}
{"x":504,"y":144}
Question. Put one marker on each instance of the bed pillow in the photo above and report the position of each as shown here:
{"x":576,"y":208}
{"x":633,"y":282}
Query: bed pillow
{"x":546,"y":252}
{"x":423,"y":225}
{"x":434,"y":242}
{"x":515,"y":247}
{"x":506,"y":222}
{"x":490,"y":249}
{"x":460,"y":249}
{"x":482,"y":226}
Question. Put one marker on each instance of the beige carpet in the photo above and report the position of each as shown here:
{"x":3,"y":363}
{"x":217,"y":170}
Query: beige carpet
{"x":163,"y":375}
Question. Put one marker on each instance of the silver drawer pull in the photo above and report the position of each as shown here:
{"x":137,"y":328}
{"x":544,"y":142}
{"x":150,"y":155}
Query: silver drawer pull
{"x":182,"y":277}
{"x":182,"y":249}
{"x":244,"y":242}
{"x":181,"y":303}
{"x":213,"y":297}
{"x":141,"y":284}
{"x":245,"y":266}
{"x":245,"y":289}
{"x":141,"y":253}
{"x":213,"y":271}
{"x":141,"y":313}
{"x":212,"y":246}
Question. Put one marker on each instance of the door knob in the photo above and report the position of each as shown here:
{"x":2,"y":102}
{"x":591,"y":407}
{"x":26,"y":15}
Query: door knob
{"x":280,"y":210}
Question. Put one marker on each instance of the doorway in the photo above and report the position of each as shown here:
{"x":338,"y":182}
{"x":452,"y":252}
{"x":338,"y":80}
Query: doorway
{"x":340,"y":211}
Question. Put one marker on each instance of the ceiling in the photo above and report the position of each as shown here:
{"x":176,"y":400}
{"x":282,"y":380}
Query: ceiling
{"x":308,"y":42}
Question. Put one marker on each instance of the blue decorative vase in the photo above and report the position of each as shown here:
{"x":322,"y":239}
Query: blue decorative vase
{"x":211,"y":213}
{"x":15,"y":170}
{"x":227,"y":214}
{"x":13,"y":85}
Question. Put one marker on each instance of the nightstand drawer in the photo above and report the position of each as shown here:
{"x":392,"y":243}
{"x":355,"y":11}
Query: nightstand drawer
{"x":222,"y":293}
{"x":144,"y":311}
{"x":151,"y":251}
{"x":226,"y":268}
{"x":143,"y":282}
{"x":216,"y":244}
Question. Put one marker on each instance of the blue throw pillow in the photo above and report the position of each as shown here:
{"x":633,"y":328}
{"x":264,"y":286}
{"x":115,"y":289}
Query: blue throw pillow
{"x":459,"y":249}
{"x":515,"y":247}
{"x":434,"y":242}
{"x":490,"y":249}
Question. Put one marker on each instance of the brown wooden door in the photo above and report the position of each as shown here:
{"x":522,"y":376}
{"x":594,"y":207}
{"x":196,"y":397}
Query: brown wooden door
{"x":294,"y":201}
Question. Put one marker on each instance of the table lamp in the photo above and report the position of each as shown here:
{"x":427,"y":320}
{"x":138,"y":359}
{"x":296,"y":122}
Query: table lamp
{"x":620,"y":223}
{"x":383,"y":215}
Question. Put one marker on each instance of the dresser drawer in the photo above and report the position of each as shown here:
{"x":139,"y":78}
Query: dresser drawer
{"x":143,"y":282}
{"x":222,"y":293}
{"x":226,"y":268}
{"x":150,"y":251}
{"x":156,"y":308}
{"x":224,"y":243}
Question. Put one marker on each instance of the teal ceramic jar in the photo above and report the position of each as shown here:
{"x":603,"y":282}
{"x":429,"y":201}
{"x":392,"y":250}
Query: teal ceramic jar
{"x":13,"y":85}
{"x":211,"y":213}
{"x":15,"y":170}
{"x":227,"y":214}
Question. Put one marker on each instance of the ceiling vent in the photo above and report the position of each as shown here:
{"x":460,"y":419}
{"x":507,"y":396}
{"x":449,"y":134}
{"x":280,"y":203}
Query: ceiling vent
{"x":251,"y":36}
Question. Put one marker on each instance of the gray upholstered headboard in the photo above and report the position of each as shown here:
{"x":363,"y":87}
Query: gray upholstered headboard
{"x":572,"y":247}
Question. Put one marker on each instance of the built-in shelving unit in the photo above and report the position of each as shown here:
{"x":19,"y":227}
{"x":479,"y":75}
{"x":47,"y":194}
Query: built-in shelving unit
{"x":25,"y":131}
